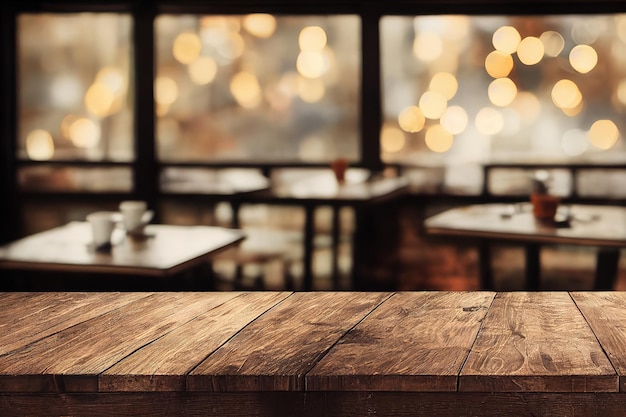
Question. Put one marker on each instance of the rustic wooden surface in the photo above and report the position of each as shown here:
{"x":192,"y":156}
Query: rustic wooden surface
{"x":164,"y":251}
{"x":313,"y":354}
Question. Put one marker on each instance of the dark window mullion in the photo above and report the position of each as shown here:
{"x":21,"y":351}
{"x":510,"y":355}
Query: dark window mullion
{"x":145,"y":168}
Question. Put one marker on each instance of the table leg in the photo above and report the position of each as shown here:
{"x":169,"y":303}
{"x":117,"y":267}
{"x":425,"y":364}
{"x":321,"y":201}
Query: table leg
{"x":533,"y":267}
{"x":309,"y":225}
{"x":484,"y":265}
{"x":336,"y":229}
{"x":607,"y":265}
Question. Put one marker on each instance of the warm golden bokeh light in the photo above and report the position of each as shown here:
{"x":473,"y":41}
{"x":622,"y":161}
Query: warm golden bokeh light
{"x":186,"y":47}
{"x":444,"y":83}
{"x":502,"y":92}
{"x":583,"y":58}
{"x":498,"y":64}
{"x":489,"y":121}
{"x":438,"y":139}
{"x":553,"y":43}
{"x":310,"y":90}
{"x":312,"y":38}
{"x":233,"y":48}
{"x":113,"y":78}
{"x":527,"y":105}
{"x":432,"y":104}
{"x":99,"y":99}
{"x":165,"y":90}
{"x":203,"y":70}
{"x":427,"y":46}
{"x":603,"y":134}
{"x":311,"y":64}
{"x":576,"y":110}
{"x":457,"y":27}
{"x":454,"y":119}
{"x":84,"y":133}
{"x":392,"y":139}
{"x":506,"y":39}
{"x":565,"y":94}
{"x":245,"y":87}
{"x":530,"y":50}
{"x":411,"y":119}
{"x":39,"y":145}
{"x":261,"y":25}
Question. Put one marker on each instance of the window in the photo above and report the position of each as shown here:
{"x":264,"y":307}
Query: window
{"x":478,"y":88}
{"x":257,"y":88}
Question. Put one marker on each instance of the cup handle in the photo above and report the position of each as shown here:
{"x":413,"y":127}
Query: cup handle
{"x":147,"y":216}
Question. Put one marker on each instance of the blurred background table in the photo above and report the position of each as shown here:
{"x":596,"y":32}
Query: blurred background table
{"x":162,"y":255}
{"x":603,"y":227}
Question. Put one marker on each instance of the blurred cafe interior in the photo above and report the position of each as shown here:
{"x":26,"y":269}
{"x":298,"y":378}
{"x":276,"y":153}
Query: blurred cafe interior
{"x":221,"y":112}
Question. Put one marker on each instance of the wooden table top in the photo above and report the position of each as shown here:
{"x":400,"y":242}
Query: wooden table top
{"x":165,"y":250}
{"x":240,"y":351}
{"x":594,"y":225}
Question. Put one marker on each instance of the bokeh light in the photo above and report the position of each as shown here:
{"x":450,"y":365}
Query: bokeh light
{"x":432,"y":104}
{"x":392,"y":139}
{"x":583,"y":58}
{"x":553,"y":43}
{"x":489,"y":121}
{"x":603,"y":134}
{"x":438,"y":139}
{"x":502,"y":91}
{"x":411,"y":119}
{"x":444,"y":83}
{"x":312,"y":38}
{"x":530,"y":50}
{"x":165,"y":90}
{"x":621,"y":92}
{"x":39,"y":145}
{"x":454,"y":119}
{"x":245,"y":87}
{"x":565,"y":94}
{"x":99,"y":99}
{"x":261,"y":25}
{"x":311,"y":64}
{"x":84,"y":133}
{"x":203,"y":70}
{"x":186,"y":47}
{"x":427,"y":46}
{"x":506,"y":39}
{"x":498,"y":64}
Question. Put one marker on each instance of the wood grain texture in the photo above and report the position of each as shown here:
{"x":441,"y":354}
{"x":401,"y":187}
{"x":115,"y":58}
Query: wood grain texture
{"x":315,"y":404}
{"x":28,"y":317}
{"x":70,"y":360}
{"x":412,"y":342}
{"x":275,"y":351}
{"x":606,"y":314}
{"x":163,"y":364}
{"x":536,"y":341}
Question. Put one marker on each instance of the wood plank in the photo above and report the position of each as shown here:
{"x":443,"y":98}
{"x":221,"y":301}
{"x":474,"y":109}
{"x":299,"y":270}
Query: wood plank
{"x":606,"y":314}
{"x":415,"y":341}
{"x":163,"y":364}
{"x":28,"y":317}
{"x":70,"y":360}
{"x":275,"y":351}
{"x":536,"y":341}
{"x":315,"y":404}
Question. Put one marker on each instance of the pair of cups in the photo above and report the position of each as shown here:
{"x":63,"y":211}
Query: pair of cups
{"x":134,"y":216}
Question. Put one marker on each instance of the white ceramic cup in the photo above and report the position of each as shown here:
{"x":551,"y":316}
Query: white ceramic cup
{"x":102,"y":226}
{"x":135,"y":215}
